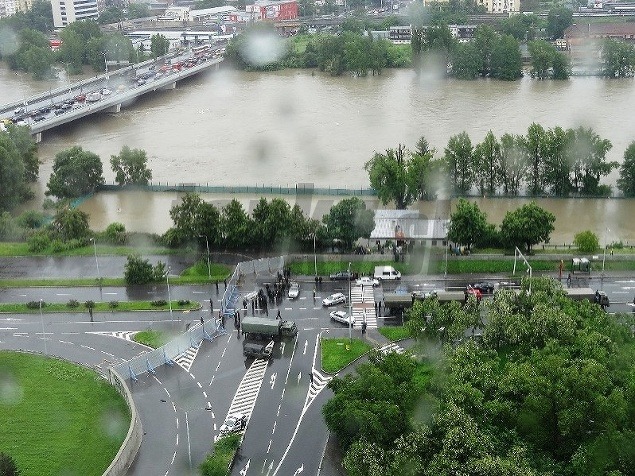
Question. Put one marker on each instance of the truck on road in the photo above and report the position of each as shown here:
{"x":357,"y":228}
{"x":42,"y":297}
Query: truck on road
{"x":262,"y":327}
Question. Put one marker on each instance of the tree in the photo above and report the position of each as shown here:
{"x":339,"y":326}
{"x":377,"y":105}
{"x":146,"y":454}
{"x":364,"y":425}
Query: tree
{"x":558,"y":20}
{"x":138,"y":270}
{"x":159,"y":45}
{"x":557,"y":166}
{"x":13,"y":188}
{"x":8,"y":467}
{"x":618,"y":59}
{"x":513,"y":163}
{"x":561,"y":66}
{"x":138,"y":10}
{"x":542,"y":56}
{"x":116,"y":233}
{"x":236,"y":226}
{"x":387,"y":173}
{"x":71,"y":224}
{"x":467,"y":224}
{"x":348,"y":220}
{"x":466,"y":63}
{"x":27,"y":148}
{"x":131,"y":167}
{"x":487,"y":158}
{"x":586,"y":241}
{"x":458,"y":163}
{"x":485,"y":37}
{"x":506,"y":62}
{"x":194,"y":218}
{"x":588,"y":158}
{"x":527,"y":226}
{"x":75,"y":173}
{"x":626,"y":181}
{"x":534,"y":144}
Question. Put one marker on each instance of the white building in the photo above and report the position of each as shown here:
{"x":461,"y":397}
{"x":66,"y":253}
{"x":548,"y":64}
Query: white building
{"x":68,"y":11}
{"x":11,"y":7}
{"x":500,"y":6}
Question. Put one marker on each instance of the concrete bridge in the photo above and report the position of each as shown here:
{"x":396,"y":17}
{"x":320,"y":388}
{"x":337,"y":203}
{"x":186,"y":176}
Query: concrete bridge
{"x":107,"y":92}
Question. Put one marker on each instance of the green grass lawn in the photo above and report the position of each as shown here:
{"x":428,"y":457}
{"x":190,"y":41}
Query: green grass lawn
{"x":21,"y":308}
{"x":394,"y":333}
{"x":22,"y":249}
{"x":57,"y":417}
{"x":152,"y":338}
{"x":338,"y":353}
{"x":199,"y":273}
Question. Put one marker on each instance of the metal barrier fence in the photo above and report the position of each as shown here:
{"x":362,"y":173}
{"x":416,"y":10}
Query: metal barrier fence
{"x":257,"y":267}
{"x":298,"y":189}
{"x":211,"y":329}
{"x":166,"y":354}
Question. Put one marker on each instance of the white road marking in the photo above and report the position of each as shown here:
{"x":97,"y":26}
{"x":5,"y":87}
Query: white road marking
{"x":306,"y":343}
{"x":63,"y":294}
{"x":111,"y":294}
{"x":8,"y":328}
{"x":200,"y":386}
{"x":272,"y":380}
{"x":173,"y":457}
{"x":86,"y":347}
{"x":268,"y":448}
{"x":205,"y":394}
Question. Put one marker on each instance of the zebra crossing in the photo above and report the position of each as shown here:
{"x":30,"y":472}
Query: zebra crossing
{"x":125,"y":335}
{"x":247,"y":392}
{"x":318,"y":383}
{"x":363,"y":306}
{"x":186,"y":359}
{"x":392,"y":347}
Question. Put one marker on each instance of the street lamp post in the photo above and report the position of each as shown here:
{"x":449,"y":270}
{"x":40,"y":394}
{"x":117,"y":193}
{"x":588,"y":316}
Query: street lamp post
{"x":350,"y":306}
{"x":167,"y":280}
{"x":519,"y":253}
{"x":105,"y":61}
{"x":96,"y":262}
{"x":314,"y":255}
{"x":209,"y":272}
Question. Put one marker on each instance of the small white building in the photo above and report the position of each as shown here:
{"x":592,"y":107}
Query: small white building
{"x":68,"y":11}
{"x":409,"y":225}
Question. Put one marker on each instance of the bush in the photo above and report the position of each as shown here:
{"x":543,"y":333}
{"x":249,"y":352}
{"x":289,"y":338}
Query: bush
{"x":616,"y":245}
{"x":116,"y":233}
{"x":89,"y":304}
{"x":586,"y":241}
{"x":35,"y":304}
{"x":113,"y":304}
{"x":159,"y":303}
{"x":31,"y":219}
{"x":8,"y":466}
{"x":138,"y":270}
{"x":57,"y":246}
{"x":38,"y":242}
{"x":9,"y":228}
{"x":184,"y":302}
{"x":73,"y":303}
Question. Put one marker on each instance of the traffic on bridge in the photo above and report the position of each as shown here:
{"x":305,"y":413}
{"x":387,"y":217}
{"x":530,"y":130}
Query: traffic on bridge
{"x":108,"y":92}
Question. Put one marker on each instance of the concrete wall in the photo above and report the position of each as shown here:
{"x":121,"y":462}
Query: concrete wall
{"x":130,"y":446}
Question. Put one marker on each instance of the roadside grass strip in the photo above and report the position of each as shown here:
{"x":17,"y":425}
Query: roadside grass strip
{"x":120,"y":306}
{"x":337,"y":353}
{"x":394,"y":333}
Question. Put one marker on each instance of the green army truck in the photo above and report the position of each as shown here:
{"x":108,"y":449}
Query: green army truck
{"x":262,"y":327}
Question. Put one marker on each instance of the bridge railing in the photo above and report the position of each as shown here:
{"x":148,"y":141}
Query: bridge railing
{"x":297,"y":189}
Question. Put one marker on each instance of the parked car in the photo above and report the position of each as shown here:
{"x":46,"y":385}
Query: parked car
{"x":484,"y":287}
{"x":294,"y":290}
{"x":366,"y":281}
{"x":334,"y":299}
{"x":233,"y":423}
{"x":105,"y":92}
{"x":341,"y":276}
{"x":342,"y":318}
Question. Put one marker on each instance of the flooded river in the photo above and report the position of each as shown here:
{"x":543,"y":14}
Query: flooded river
{"x":283,"y":128}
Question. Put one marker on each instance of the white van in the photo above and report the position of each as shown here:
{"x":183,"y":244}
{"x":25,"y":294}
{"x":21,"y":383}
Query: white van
{"x":386,"y":272}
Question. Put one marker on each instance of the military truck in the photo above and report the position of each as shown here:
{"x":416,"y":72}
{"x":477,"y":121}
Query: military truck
{"x":262,"y":327}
